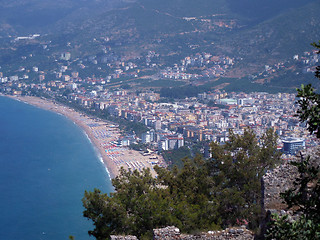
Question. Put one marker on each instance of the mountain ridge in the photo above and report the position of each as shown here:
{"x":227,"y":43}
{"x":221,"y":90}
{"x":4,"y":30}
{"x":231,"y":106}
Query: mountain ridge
{"x":182,"y":28}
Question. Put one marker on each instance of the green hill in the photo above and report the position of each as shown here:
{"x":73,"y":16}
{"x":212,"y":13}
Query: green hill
{"x":44,"y":16}
{"x":282,"y":36}
{"x":255,"y":32}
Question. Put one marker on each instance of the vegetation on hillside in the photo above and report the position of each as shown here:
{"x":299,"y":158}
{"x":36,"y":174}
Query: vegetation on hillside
{"x":173,"y":29}
{"x":175,"y":157}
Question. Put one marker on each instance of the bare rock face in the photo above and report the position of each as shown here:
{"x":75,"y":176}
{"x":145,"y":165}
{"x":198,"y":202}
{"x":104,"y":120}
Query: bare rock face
{"x":277,"y":181}
{"x":228,"y":234}
{"x":173,"y":233}
{"x":282,"y":177}
{"x":170,"y":232}
{"x":113,"y":237}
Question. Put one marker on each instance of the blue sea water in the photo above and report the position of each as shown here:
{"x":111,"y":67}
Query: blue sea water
{"x":46,"y":164}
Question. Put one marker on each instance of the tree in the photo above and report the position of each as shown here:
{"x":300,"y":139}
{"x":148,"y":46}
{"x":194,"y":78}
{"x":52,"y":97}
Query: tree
{"x":189,"y":187}
{"x":236,"y":169}
{"x":309,"y":103}
{"x":136,"y":206}
{"x":141,"y":203}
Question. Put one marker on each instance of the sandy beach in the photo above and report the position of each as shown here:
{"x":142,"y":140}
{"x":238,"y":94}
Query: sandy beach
{"x":102,"y":135}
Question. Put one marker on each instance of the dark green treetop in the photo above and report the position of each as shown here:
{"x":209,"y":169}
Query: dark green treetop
{"x":309,"y":103}
{"x":236,"y":169}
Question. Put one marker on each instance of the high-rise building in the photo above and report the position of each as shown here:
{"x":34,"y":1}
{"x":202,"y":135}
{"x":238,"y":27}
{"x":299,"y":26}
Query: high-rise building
{"x":41,"y":77}
{"x":293,"y":145}
{"x":146,"y":137}
{"x":65,"y":56}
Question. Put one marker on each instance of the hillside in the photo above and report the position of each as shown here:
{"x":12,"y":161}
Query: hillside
{"x":282,"y":35}
{"x":260,"y":33}
{"x":260,"y":10}
{"x":31,"y":16}
{"x":254,"y":33}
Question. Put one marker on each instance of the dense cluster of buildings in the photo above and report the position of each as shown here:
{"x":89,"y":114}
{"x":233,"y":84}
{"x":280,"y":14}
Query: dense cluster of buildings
{"x":193,"y":119}
{"x":207,"y":117}
{"x":107,"y":66}
{"x":207,"y":64}
{"x":307,"y":62}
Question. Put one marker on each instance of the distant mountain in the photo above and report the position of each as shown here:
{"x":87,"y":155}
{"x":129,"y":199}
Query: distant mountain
{"x":259,"y":32}
{"x":145,"y":19}
{"x":279,"y":37}
{"x":270,"y":29}
{"x":261,"y":10}
{"x":30,"y":16}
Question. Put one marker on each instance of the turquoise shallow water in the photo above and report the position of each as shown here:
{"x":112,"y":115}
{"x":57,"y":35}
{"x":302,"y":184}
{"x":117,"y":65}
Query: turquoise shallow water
{"x":46,"y":164}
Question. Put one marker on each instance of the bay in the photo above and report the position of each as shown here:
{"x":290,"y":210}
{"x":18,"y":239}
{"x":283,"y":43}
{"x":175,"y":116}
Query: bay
{"x":46,"y":164}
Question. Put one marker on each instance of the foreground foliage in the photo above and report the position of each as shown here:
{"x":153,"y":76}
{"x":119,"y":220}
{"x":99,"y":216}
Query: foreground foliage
{"x":304,"y":197}
{"x":236,"y":170}
{"x":309,"y":103}
{"x":202,"y":195}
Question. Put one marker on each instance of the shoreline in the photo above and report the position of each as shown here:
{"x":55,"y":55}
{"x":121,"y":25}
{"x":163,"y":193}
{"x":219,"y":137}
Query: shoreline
{"x":100,"y":134}
{"x":77,"y":118}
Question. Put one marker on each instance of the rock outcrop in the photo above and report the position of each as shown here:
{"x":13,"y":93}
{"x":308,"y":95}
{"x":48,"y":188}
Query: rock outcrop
{"x":282,"y":177}
{"x":277,"y":181}
{"x":173,"y":233}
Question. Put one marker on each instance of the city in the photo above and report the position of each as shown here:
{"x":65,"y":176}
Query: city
{"x":170,"y":125}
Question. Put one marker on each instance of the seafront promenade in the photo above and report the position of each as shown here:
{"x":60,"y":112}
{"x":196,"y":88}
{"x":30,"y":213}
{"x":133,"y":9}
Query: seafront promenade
{"x":102,"y":135}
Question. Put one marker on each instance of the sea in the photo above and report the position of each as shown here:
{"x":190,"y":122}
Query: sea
{"x":46,"y":164}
